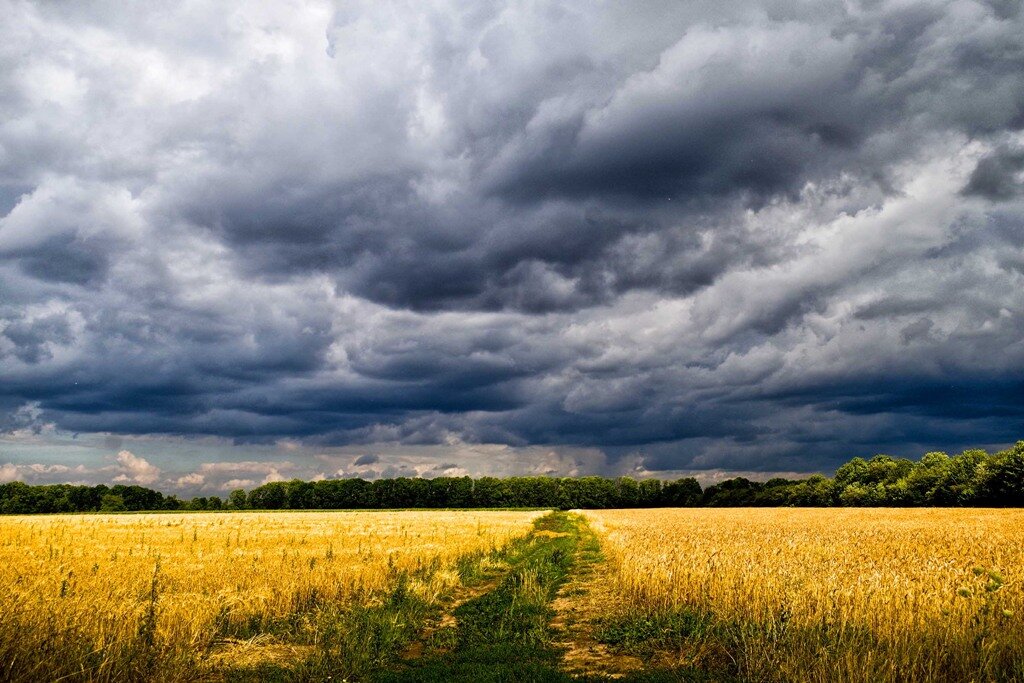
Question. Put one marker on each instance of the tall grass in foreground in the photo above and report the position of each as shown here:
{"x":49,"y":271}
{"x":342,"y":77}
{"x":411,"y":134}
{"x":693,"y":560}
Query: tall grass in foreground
{"x":175,"y":597}
{"x":822,"y":595}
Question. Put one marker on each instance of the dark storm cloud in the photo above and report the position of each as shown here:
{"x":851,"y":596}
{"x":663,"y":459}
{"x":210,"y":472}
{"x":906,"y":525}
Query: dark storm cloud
{"x":773,"y":105}
{"x":996,"y":177}
{"x":30,"y":339}
{"x":694,"y":236}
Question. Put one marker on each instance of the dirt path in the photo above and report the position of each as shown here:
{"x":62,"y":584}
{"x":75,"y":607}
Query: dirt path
{"x":535,"y":611}
{"x":578,"y":607}
{"x":539,"y":615}
{"x":500,"y":630}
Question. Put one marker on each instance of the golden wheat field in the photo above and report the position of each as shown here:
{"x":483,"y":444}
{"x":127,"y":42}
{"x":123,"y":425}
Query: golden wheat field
{"x":857,"y":595}
{"x":85,"y":595}
{"x":828,"y":595}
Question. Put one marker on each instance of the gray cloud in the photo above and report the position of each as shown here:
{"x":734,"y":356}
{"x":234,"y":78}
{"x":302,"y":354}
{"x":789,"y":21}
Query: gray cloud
{"x":996,"y":176}
{"x":691,"y":236}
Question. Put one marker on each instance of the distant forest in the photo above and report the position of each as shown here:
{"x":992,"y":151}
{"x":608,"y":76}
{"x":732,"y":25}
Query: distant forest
{"x":973,"y":477}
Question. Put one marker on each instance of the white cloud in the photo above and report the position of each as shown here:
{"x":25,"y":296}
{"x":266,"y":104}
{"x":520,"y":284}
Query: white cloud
{"x":8,"y":472}
{"x":40,"y":473}
{"x":136,"y":470}
{"x":193,"y":479}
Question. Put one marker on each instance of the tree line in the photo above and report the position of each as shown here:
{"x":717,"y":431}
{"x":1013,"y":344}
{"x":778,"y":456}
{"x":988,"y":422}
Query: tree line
{"x":973,"y":477}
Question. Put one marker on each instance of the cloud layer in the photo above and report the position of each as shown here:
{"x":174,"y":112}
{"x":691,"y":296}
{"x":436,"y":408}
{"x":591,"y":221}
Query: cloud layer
{"x":745,"y":236}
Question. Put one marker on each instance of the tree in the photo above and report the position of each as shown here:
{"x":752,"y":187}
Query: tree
{"x":627,"y":492}
{"x":272,"y":496}
{"x":815,"y":491}
{"x":1004,"y":483}
{"x":884,"y":469}
{"x":681,"y":493}
{"x":237,"y":500}
{"x":964,"y":478}
{"x":737,"y":492}
{"x":970,"y":478}
{"x":776,"y":492}
{"x":86,"y":498}
{"x":112,"y":502}
{"x":456,"y":492}
{"x":489,"y":492}
{"x":854,"y":471}
{"x":138,"y":498}
{"x":298,"y":495}
{"x":650,"y":492}
{"x":924,"y":483}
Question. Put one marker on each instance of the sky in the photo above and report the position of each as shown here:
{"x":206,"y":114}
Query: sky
{"x":245,"y":242}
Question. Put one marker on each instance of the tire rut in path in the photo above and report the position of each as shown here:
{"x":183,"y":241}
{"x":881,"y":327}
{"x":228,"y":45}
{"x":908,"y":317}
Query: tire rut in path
{"x":447,"y":619}
{"x":581,"y":601}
